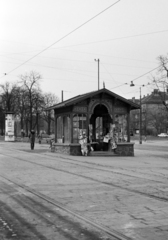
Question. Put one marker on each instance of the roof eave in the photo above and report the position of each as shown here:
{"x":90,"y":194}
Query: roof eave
{"x":91,"y":94}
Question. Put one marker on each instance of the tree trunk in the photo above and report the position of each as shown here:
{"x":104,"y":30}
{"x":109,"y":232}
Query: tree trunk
{"x":2,"y":123}
{"x":27,"y":129}
{"x":37,"y":123}
{"x":21,"y":122}
{"x":15,"y":129}
{"x":31,"y":118}
{"x":49,"y":122}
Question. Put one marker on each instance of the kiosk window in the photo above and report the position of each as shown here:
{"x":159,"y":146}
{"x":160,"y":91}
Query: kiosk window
{"x":67,"y":132}
{"x":79,"y":126}
{"x":59,"y":129}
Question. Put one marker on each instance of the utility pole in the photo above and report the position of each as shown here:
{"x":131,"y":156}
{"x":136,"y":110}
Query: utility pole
{"x":97,"y":60}
{"x":62,"y":95}
{"x":140,"y":114}
{"x":140,"y":121}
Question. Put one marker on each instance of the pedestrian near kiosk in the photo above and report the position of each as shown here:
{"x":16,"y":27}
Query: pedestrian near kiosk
{"x":32,"y":139}
{"x":40,"y":137}
{"x":22,"y":135}
{"x":83,"y":143}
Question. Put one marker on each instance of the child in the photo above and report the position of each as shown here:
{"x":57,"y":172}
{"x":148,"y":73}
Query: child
{"x":83,"y":142}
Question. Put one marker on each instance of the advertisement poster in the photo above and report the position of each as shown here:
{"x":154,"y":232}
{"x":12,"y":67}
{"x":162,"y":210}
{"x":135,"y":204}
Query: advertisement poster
{"x":9,"y":127}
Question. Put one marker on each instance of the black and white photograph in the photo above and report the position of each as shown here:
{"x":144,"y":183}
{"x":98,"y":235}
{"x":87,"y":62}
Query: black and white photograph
{"x":84,"y":120}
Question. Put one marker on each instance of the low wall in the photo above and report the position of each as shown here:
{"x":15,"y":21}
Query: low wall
{"x":125,"y":149}
{"x":66,"y":148}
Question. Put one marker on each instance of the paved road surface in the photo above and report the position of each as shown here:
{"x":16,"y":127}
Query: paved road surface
{"x":48,"y":196}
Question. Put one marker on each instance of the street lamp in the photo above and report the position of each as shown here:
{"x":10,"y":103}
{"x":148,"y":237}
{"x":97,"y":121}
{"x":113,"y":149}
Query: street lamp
{"x":132,"y":84}
{"x":140,"y":114}
{"x":97,"y":60}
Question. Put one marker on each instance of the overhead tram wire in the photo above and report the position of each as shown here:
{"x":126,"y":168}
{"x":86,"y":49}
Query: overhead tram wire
{"x":145,"y":73}
{"x":139,"y":76}
{"x":109,"y":74}
{"x":106,"y":40}
{"x":118,"y":38}
{"x":64,"y":36}
{"x":79,"y":60}
{"x":93,"y":53}
{"x":119,"y":85}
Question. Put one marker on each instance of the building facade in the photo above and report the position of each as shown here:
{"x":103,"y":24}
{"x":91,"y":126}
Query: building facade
{"x":154,"y":114}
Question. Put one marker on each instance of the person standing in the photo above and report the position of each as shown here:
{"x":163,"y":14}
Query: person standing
{"x":83,"y":143}
{"x":40,"y":137}
{"x":22,"y":135}
{"x":32,"y":139}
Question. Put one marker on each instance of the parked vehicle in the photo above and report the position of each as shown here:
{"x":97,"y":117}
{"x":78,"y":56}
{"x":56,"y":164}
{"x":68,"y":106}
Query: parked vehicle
{"x":163,"y":135}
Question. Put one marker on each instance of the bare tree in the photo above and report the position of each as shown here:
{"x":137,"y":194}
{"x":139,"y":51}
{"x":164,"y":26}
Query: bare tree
{"x":161,"y":79}
{"x":30,"y":84}
{"x":157,"y":119}
{"x":9,"y":102}
{"x":2,"y":119}
{"x":8,"y":95}
{"x":49,"y":100}
{"x":21,"y":104}
{"x":28,"y":102}
{"x":38,"y":109}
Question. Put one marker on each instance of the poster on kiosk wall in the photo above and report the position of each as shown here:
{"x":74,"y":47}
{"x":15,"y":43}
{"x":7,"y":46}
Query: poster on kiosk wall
{"x":9,"y":127}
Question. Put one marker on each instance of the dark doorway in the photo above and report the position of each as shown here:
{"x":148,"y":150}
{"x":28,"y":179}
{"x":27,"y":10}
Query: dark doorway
{"x":99,"y":126}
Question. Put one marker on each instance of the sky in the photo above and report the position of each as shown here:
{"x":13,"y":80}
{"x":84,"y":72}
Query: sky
{"x":61,"y":39}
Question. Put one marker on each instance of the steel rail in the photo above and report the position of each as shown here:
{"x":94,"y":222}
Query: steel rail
{"x":98,"y":166}
{"x":95,"y":180}
{"x":113,"y":233}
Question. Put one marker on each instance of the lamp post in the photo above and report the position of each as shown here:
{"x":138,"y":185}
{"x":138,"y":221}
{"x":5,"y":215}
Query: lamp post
{"x":97,"y":60}
{"x":140,"y":113}
{"x":140,"y":121}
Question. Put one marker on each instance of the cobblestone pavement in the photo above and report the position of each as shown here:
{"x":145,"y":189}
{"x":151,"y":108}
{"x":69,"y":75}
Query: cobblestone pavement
{"x":127,"y":195}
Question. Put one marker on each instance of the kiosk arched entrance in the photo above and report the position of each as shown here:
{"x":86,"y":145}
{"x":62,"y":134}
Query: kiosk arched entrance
{"x":99,"y":126}
{"x":102,"y":116}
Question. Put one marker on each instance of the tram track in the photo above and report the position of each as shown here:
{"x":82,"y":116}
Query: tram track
{"x":98,"y":165}
{"x":151,"y":196}
{"x":104,"y":168}
{"x":110,"y":232}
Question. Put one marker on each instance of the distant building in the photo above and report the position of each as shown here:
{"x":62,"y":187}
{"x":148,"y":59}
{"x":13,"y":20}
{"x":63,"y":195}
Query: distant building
{"x":154,"y":113}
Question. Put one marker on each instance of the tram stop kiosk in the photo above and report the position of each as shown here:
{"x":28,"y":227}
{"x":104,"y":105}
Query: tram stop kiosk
{"x":100,"y":114}
{"x":9,"y":127}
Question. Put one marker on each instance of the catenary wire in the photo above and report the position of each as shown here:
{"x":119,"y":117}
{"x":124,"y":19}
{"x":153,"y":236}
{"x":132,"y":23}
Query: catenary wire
{"x":82,"y":61}
{"x":145,"y":73}
{"x":65,"y":36}
{"x":60,"y":48}
{"x":117,"y":38}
